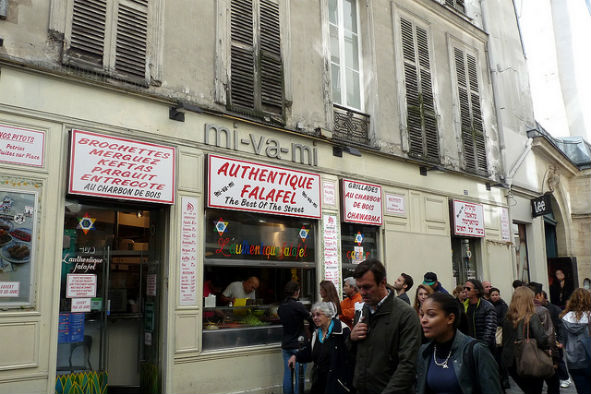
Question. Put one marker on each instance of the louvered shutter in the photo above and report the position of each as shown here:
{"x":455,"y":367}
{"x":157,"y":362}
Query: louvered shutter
{"x":457,"y":4}
{"x":242,"y":83}
{"x":88,"y":30}
{"x":472,"y":130}
{"x":271,"y":67}
{"x":421,"y":120}
{"x":132,"y":37}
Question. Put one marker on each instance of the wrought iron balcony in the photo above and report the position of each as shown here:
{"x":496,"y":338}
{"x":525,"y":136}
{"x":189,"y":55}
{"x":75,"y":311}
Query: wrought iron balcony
{"x":350,"y":125}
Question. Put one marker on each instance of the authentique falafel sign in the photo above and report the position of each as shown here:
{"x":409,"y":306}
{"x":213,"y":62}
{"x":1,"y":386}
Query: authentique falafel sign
{"x":106,"y":166}
{"x":243,"y":185}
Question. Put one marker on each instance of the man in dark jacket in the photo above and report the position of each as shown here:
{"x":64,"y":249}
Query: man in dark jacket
{"x":481,"y":315}
{"x":555,"y":312}
{"x":386,"y":336}
{"x":430,"y":279}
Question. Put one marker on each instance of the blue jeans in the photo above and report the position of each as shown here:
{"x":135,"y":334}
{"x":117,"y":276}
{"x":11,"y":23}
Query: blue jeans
{"x":287,"y":386}
{"x":582,"y":379}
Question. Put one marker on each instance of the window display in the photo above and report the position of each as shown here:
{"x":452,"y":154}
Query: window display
{"x":358,"y":242}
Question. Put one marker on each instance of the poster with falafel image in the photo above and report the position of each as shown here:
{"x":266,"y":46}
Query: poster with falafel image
{"x":17,"y":229}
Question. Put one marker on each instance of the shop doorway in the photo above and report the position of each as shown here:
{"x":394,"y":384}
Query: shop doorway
{"x":109,"y":333}
{"x":465,"y":264}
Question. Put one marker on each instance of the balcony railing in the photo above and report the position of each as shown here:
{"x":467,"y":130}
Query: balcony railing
{"x":350,"y":125}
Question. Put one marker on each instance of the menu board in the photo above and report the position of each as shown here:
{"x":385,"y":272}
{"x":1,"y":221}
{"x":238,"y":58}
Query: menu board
{"x":17,"y":245}
{"x":188,"y":267}
{"x":70,"y":328}
{"x":331,"y":250}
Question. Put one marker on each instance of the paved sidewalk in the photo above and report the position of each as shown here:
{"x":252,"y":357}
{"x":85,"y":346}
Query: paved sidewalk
{"x":516,"y":390}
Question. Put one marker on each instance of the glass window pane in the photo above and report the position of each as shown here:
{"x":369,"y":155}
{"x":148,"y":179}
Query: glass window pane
{"x":353,"y":89}
{"x":334,"y":45}
{"x":336,"y":84}
{"x":333,"y":11}
{"x":351,"y":51}
{"x":350,"y":15}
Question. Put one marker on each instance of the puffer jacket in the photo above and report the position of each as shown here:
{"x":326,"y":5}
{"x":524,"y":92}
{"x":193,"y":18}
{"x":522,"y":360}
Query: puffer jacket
{"x":485,"y":368}
{"x":484,"y":321}
{"x":573,"y":336}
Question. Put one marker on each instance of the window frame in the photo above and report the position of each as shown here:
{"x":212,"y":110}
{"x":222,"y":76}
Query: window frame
{"x":343,"y":67}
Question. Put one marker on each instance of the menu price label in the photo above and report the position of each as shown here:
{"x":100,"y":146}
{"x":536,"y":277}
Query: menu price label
{"x":106,"y":166}
{"x":362,"y":202}
{"x":331,"y":251}
{"x":80,"y":286}
{"x":188,"y":266}
{"x":247,"y":186}
{"x":468,"y":219}
{"x":9,"y":289}
{"x":22,"y":146}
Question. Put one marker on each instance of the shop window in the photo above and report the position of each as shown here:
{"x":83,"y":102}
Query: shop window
{"x":275,"y":250}
{"x":358,"y":243}
{"x":457,"y":5}
{"x":465,"y":259}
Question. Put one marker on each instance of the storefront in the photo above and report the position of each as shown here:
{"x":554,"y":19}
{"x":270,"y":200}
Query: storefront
{"x":468,"y":229}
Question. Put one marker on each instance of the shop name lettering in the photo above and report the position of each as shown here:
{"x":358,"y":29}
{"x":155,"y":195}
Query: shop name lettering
{"x":223,"y":137}
{"x":82,"y":264}
{"x":227,"y":249}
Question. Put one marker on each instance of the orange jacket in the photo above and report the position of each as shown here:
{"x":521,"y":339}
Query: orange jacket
{"x":348,"y":307}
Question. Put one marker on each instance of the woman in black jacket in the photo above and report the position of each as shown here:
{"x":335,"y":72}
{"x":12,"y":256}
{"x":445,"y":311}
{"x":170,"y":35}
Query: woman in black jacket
{"x":332,"y":372}
{"x":520,"y":314}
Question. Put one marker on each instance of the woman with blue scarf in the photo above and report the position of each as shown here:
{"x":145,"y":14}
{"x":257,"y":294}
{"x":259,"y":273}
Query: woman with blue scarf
{"x":333,"y":365}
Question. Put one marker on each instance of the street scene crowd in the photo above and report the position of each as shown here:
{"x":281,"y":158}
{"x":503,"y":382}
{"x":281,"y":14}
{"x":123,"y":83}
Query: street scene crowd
{"x":471,"y":341}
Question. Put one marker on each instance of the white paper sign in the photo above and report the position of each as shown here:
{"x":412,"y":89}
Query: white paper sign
{"x":468,"y":219}
{"x":395,"y":204}
{"x":505,"y":228}
{"x":247,"y":186}
{"x":188,"y":266}
{"x":22,"y":146}
{"x":9,"y":289}
{"x":331,"y":250}
{"x":362,"y":202}
{"x":106,"y":166}
{"x":151,"y":285}
{"x":80,"y":304}
{"x":80,"y":286}
{"x":329,"y":192}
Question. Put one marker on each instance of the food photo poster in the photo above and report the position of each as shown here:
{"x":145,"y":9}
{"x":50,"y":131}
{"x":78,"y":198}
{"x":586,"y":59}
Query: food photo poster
{"x":17,"y":228}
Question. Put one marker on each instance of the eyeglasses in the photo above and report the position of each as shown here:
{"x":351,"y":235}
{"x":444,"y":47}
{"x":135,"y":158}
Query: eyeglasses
{"x":468,"y":288}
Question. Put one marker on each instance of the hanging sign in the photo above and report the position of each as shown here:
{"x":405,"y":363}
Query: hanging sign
{"x":105,"y":166}
{"x":247,"y":186}
{"x":468,"y":219}
{"x":22,"y":146}
{"x":362,"y":202}
{"x":541,"y":206}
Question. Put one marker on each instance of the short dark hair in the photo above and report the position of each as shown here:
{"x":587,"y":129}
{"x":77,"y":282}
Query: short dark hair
{"x":535,"y":287}
{"x":407,"y":281}
{"x":517,"y":283}
{"x":373,"y":265}
{"x":494,"y":289}
{"x":290,"y":288}
{"x":545,"y":295}
{"x":478,"y":286}
{"x":448,"y":304}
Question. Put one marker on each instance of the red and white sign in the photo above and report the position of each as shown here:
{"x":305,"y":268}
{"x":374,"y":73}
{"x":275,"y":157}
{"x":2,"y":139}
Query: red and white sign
{"x":331,"y":250}
{"x":395,"y":204}
{"x":106,"y":166}
{"x":188,"y":266}
{"x":505,"y":227}
{"x":80,"y":286}
{"x":468,"y":219}
{"x":247,"y":186}
{"x":329,"y":193}
{"x":9,"y":289}
{"x":80,"y":304}
{"x":362,"y":202}
{"x":22,"y":146}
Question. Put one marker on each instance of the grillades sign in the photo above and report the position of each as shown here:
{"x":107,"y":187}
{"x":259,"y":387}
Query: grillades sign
{"x":243,"y":185}
{"x":362,"y":202}
{"x":105,"y":166}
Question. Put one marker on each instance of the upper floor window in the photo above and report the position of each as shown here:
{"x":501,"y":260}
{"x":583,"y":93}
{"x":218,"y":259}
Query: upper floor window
{"x":421,"y":121}
{"x":457,"y":5}
{"x":345,"y":53}
{"x":256,"y":66}
{"x":472,"y":127}
{"x":110,"y":36}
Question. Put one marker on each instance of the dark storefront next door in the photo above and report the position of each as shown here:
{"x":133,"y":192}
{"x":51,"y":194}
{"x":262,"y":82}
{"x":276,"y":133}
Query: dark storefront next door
{"x":109,"y":299}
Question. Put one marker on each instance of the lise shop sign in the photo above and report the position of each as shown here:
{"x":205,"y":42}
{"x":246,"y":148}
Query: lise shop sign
{"x":242,"y":185}
{"x":106,"y":166}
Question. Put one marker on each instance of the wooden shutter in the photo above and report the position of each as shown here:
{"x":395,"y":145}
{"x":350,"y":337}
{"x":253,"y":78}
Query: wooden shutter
{"x":421,"y":119}
{"x":242,"y":85}
{"x":132,"y":37}
{"x":271,"y":67}
{"x":472,"y":129}
{"x":88,"y":30}
{"x":456,"y":4}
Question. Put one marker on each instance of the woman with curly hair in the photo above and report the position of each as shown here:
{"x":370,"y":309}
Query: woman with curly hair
{"x":576,"y":338}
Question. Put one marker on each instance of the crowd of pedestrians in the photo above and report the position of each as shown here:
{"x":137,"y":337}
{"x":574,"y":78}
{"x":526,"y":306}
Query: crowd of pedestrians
{"x":374,"y":341}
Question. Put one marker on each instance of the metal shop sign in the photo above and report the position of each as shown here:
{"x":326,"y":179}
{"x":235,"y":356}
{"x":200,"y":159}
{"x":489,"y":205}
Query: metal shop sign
{"x":22,"y":146}
{"x":468,"y":219}
{"x":243,"y":185}
{"x":362,"y":202}
{"x":105,"y":166}
{"x":541,"y":206}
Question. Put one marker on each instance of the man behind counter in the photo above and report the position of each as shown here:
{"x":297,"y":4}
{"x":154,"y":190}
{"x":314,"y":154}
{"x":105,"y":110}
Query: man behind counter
{"x":240,"y":289}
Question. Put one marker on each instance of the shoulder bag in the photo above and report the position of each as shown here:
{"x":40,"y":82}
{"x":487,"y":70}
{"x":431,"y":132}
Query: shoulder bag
{"x":530,"y":360}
